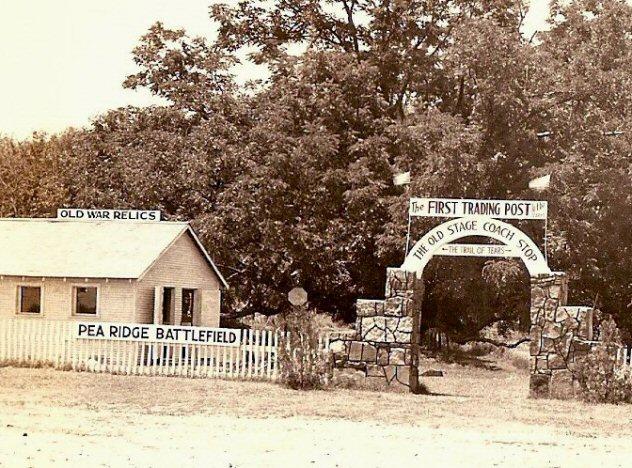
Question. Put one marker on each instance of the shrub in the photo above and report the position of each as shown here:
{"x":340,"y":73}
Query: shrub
{"x":520,"y":362}
{"x":463,"y":354}
{"x":303,"y":363}
{"x":601,"y":379}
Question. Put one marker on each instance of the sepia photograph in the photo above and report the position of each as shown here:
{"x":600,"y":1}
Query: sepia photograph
{"x":315,"y":233}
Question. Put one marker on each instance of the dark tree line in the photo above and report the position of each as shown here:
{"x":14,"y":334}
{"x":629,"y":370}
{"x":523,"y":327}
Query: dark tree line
{"x":289,"y":180}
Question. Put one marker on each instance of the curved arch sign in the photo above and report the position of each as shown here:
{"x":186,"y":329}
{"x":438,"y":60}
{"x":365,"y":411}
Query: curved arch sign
{"x":518,"y":242}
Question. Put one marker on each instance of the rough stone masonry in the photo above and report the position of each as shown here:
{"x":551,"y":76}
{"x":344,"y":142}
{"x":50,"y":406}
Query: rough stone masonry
{"x":560,"y":336}
{"x":386,"y":342}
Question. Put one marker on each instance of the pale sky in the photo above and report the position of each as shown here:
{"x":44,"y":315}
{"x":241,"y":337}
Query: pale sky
{"x":63,"y":61}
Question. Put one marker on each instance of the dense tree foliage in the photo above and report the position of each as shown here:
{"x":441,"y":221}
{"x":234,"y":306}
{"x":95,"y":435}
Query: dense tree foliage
{"x":289,"y":181}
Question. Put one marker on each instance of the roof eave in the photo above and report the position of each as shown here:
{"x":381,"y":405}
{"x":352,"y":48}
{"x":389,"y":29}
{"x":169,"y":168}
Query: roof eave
{"x":207,"y":256}
{"x":187,"y":228}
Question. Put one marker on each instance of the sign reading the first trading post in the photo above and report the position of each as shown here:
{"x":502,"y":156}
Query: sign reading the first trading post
{"x":80,"y":214}
{"x":158,"y":333}
{"x":460,"y":208}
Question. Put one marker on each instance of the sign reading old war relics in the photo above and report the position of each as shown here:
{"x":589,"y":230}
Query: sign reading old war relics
{"x":80,"y":214}
{"x":458,"y":208}
{"x":161,"y":333}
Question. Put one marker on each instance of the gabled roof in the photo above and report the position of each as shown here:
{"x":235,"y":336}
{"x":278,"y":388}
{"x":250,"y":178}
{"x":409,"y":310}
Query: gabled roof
{"x":87,"y":249}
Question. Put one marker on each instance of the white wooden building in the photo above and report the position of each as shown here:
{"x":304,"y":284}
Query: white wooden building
{"x":110,"y":271}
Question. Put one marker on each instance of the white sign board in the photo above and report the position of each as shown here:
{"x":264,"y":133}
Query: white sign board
{"x":441,"y":236}
{"x":160,"y":333}
{"x":297,"y":297}
{"x":477,"y":250}
{"x":459,"y":208}
{"x":80,"y":214}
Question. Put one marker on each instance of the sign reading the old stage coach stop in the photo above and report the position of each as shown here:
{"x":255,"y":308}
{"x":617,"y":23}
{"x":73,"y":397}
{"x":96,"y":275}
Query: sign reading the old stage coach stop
{"x":158,"y":333}
{"x":80,"y":214}
{"x":460,"y":208}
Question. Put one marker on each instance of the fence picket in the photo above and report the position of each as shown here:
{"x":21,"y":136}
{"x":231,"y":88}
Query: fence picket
{"x":167,"y":359}
{"x":234,"y":358}
{"x":275,"y":370}
{"x":20,"y":331}
{"x":257,"y":352}
{"x":214,"y":368}
{"x":204,"y":370}
{"x":3,"y":343}
{"x":17,"y":331}
{"x":242,"y":348}
{"x":202,"y":350}
{"x":269,"y":354}
{"x":25,"y":342}
{"x":18,"y":345}
{"x":199,"y":360}
{"x":55,"y":347}
{"x":251,"y":351}
{"x":62,"y":340}
{"x":127,"y":357}
{"x":31,"y":341}
{"x":46,"y":339}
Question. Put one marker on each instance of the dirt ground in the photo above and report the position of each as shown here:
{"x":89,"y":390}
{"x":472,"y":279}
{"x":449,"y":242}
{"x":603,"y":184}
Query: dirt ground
{"x":477,"y":416}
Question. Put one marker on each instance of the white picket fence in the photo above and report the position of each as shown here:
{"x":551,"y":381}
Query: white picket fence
{"x":37,"y":343}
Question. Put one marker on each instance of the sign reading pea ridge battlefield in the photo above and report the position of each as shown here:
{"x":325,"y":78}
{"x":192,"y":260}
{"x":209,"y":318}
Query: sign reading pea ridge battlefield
{"x":459,"y":208}
{"x":158,"y":333}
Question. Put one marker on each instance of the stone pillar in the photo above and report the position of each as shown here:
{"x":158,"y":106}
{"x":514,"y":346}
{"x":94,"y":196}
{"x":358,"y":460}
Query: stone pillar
{"x":547,"y":294}
{"x":560,"y":335}
{"x":386,"y":345}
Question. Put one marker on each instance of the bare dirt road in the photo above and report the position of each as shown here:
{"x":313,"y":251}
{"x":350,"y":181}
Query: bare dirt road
{"x":53,"y":418}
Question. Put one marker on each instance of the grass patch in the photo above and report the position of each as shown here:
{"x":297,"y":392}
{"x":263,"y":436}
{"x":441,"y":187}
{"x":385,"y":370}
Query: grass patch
{"x":26,"y":364}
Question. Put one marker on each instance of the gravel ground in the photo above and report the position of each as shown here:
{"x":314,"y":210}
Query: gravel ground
{"x":52,"y":418}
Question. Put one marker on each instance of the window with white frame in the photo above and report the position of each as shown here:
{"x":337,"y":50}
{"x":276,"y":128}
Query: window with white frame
{"x":85,"y":300}
{"x":29,"y":299}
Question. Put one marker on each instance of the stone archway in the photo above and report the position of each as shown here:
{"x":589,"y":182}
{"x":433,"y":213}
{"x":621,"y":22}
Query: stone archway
{"x":386,"y":345}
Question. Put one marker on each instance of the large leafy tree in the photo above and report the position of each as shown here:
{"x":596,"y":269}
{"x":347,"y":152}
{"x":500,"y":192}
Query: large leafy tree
{"x":289,"y":180}
{"x":448,"y":90}
{"x":323,"y":138}
{"x":589,"y":111}
{"x":153,"y":158}
{"x":31,"y":181}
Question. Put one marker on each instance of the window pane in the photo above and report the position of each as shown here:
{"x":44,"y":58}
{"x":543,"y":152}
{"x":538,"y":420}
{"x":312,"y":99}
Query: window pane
{"x":30,"y":299}
{"x":86,"y":300}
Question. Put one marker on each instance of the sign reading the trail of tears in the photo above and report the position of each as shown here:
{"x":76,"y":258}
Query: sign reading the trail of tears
{"x":458,"y":208}
{"x":159,"y":333}
{"x":477,"y":250}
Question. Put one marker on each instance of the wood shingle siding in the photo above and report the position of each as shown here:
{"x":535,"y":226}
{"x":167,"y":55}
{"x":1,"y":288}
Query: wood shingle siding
{"x":181,"y":266}
{"x":115,"y":298}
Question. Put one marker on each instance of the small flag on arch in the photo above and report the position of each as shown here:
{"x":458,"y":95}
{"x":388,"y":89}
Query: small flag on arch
{"x":401,"y":179}
{"x":540,"y":183}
